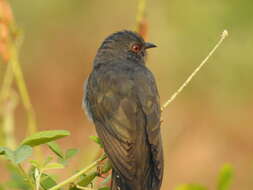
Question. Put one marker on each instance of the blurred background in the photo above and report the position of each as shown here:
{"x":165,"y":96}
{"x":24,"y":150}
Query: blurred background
{"x":209,"y":124}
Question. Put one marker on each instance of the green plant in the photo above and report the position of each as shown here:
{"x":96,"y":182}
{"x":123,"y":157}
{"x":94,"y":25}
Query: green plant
{"x":224,"y":180}
{"x":37,"y":176}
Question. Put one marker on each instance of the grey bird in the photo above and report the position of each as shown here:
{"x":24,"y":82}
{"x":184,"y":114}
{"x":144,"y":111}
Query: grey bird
{"x":122,"y":100}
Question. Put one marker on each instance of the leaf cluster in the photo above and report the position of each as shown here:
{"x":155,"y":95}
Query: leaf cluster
{"x":38,"y":176}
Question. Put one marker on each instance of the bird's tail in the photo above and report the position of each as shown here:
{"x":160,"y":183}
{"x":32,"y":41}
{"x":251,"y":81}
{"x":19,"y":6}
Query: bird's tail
{"x":120,"y":183}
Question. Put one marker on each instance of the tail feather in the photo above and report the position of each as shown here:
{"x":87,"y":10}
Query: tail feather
{"x":120,"y":183}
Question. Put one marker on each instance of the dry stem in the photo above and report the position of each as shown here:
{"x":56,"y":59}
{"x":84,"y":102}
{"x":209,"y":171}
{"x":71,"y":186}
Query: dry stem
{"x":179,"y":90}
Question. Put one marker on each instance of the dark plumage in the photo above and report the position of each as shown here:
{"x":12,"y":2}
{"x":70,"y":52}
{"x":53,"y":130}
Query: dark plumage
{"x":122,"y":100}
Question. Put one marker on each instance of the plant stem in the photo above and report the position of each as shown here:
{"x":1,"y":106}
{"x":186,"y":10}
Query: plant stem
{"x":140,"y":11}
{"x":179,"y":90}
{"x":8,"y":78}
{"x":37,"y":178}
{"x":141,"y":24}
{"x":9,"y":105}
{"x":26,"y":177}
{"x":78,"y":174}
{"x":7,"y":102}
{"x":23,"y":91}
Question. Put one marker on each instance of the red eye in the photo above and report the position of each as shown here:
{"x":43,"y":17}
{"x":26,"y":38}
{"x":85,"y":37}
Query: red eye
{"x":136,"y":48}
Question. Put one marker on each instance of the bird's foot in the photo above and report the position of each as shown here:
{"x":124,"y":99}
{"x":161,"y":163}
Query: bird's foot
{"x":100,"y":170}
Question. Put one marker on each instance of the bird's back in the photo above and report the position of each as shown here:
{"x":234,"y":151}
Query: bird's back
{"x":124,"y":105}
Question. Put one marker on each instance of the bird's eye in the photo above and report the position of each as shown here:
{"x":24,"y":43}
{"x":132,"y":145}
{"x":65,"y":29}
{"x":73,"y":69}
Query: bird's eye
{"x":136,"y":48}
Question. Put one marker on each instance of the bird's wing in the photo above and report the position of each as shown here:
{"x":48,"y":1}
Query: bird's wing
{"x":126,"y":113}
{"x":150,"y":103}
{"x":115,"y":114}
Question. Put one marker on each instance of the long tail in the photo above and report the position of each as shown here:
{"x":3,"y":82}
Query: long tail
{"x":119,"y":183}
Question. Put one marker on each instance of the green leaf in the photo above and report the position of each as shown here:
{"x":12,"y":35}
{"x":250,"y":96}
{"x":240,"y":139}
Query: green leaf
{"x":70,"y":153}
{"x":22,"y":153}
{"x":44,"y":137}
{"x":55,"y":148}
{"x":2,"y":150}
{"x":88,"y":179}
{"x":104,"y":188}
{"x":36,"y":164}
{"x":107,"y":167}
{"x":225,"y":177}
{"x":97,"y":140}
{"x":17,"y":156}
{"x":9,"y":154}
{"x":48,"y":159}
{"x":190,"y":187}
{"x":47,"y":181}
{"x":51,"y":166}
{"x":62,"y":161}
{"x":17,"y":181}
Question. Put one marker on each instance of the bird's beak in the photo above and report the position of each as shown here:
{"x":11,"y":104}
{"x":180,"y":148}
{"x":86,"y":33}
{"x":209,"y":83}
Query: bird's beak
{"x":149,"y":45}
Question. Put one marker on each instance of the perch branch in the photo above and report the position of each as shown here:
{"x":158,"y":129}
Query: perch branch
{"x":75,"y":176}
{"x":179,"y":90}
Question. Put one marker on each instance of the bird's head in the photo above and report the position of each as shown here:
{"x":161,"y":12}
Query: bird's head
{"x":123,"y":45}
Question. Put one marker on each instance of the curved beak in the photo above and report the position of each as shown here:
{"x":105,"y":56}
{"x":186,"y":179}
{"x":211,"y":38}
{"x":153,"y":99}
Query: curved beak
{"x":149,"y":45}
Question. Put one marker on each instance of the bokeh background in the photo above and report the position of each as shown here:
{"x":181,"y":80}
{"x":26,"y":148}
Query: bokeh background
{"x":209,"y":124}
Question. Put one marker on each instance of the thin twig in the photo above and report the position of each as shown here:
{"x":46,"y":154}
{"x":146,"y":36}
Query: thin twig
{"x":8,"y":102}
{"x":8,"y":128}
{"x":25,"y":175}
{"x":179,"y":90}
{"x":141,"y":23}
{"x":12,"y":41}
{"x":8,"y":78}
{"x":32,"y":128}
{"x":140,"y":11}
{"x":75,"y":176}
{"x":37,"y":176}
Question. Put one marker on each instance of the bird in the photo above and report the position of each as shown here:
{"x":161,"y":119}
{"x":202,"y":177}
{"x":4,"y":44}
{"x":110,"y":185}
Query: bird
{"x":122,"y":100}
